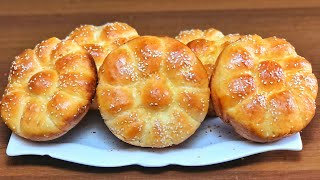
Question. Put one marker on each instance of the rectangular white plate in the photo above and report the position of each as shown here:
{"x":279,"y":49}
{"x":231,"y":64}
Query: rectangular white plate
{"x":91,"y":143}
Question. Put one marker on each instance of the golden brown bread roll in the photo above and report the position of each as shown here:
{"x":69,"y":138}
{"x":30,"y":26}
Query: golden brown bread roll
{"x":263,"y":88}
{"x":99,"y":41}
{"x":206,"y":44}
{"x":153,"y":92}
{"x":209,"y":34}
{"x":208,"y":51}
{"x":49,"y":90}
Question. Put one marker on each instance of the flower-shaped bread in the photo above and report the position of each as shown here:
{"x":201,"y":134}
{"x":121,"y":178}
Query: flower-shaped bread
{"x":99,"y":41}
{"x":49,"y":90}
{"x":189,"y":35}
{"x":207,"y":45}
{"x":263,"y":88}
{"x":153,"y":92}
{"x":208,"y":51}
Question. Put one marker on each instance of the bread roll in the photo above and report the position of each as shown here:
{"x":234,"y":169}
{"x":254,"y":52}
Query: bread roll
{"x":153,"y":92}
{"x":99,"y":41}
{"x":208,"y":50}
{"x":263,"y":88}
{"x":189,"y":35}
{"x":49,"y":90}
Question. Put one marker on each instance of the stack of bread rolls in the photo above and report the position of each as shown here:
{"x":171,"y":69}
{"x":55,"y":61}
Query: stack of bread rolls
{"x":156,"y":91}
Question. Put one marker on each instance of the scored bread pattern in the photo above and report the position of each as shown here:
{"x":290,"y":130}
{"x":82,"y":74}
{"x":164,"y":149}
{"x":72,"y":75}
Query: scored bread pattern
{"x":99,"y":41}
{"x":49,"y":89}
{"x":153,"y":92}
{"x":263,"y":88}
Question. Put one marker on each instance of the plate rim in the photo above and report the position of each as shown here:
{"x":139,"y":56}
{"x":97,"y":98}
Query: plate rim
{"x":295,"y":145}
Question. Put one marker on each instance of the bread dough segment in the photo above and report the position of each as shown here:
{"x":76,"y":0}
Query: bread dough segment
{"x":35,"y":122}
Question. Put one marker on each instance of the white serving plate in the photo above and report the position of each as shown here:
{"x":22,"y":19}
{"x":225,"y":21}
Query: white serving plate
{"x":91,"y":143}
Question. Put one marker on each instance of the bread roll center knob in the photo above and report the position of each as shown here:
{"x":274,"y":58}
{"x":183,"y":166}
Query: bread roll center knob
{"x":156,"y":96}
{"x":270,"y":73}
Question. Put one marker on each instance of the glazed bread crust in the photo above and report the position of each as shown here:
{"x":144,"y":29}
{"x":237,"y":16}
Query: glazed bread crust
{"x":205,"y":44}
{"x":153,"y":92}
{"x":211,"y":34}
{"x":208,"y":51}
{"x":49,"y":90}
{"x":263,"y":88}
{"x":99,"y":41}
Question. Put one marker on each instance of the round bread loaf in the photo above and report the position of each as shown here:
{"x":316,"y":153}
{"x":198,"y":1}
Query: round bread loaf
{"x":263,"y":88}
{"x":209,"y":50}
{"x":99,"y":41}
{"x":207,"y":45}
{"x":209,"y":34}
{"x":153,"y":92}
{"x":49,"y":90}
